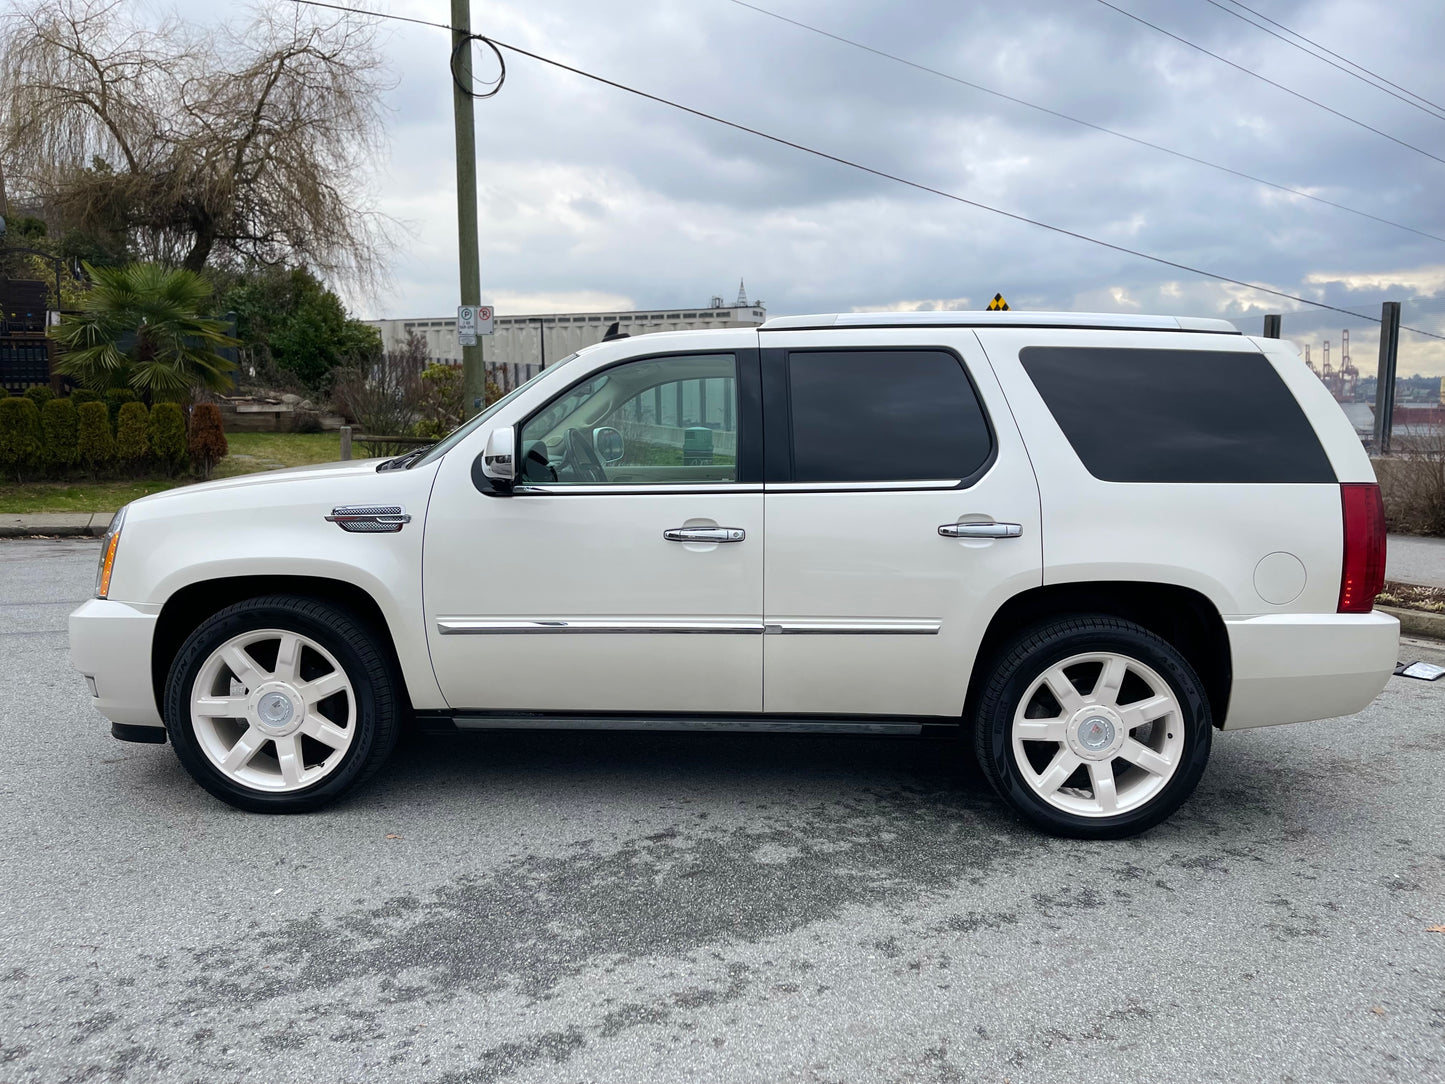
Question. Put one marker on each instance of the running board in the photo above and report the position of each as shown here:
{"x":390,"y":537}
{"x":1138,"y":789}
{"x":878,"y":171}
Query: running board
{"x":711,"y":724}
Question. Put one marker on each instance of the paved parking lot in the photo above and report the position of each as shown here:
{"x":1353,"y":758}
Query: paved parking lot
{"x":605,"y":907}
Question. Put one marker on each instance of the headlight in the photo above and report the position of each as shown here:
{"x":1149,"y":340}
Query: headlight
{"x":108,"y":545}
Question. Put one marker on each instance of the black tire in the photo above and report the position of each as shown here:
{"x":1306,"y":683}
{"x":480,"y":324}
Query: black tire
{"x":1025,"y":659}
{"x":368,"y":666}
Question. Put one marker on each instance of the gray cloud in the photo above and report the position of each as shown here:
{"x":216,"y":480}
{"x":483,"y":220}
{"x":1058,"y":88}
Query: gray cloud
{"x":590,"y":192}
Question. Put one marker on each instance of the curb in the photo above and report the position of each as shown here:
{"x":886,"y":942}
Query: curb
{"x":1429,"y":626}
{"x":56,"y":525}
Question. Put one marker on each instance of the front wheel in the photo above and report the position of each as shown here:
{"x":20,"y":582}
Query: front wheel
{"x":279,"y":704}
{"x":1093,"y":727}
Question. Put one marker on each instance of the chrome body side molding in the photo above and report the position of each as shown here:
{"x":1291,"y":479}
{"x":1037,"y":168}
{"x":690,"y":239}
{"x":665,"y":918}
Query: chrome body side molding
{"x":511,"y":626}
{"x":476,"y":626}
{"x":829,"y":627}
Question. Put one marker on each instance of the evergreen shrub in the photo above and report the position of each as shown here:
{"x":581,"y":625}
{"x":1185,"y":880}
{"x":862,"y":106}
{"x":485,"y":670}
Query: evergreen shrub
{"x":132,"y":444}
{"x":59,"y":435}
{"x":19,"y":436}
{"x":167,"y":433}
{"x":207,"y":441}
{"x":95,"y":447}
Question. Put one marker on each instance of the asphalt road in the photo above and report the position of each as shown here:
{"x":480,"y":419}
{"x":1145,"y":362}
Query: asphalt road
{"x":634,"y":908}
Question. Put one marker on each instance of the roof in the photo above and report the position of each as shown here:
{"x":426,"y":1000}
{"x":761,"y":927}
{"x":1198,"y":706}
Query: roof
{"x":1000,"y":319}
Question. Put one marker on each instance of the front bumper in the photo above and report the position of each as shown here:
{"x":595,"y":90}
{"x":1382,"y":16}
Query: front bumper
{"x":110,"y":643}
{"x":1292,"y":667}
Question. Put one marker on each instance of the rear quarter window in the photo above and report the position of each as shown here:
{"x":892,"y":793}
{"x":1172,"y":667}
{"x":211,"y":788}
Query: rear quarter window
{"x":1177,"y":415}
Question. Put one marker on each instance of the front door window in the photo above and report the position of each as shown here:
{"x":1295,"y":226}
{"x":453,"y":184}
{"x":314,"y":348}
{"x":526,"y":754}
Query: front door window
{"x":655,"y":421}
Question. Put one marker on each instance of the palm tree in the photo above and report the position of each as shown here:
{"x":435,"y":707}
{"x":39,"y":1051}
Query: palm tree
{"x":140,"y":327}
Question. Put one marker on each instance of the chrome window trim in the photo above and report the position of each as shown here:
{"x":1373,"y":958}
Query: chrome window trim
{"x":640,"y":487}
{"x":799,"y":487}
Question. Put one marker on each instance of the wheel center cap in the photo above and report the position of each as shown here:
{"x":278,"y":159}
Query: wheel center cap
{"x":1096,"y":733}
{"x":276,"y":710}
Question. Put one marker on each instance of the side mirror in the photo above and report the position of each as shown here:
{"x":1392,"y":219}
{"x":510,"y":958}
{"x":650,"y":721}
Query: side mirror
{"x":608,"y":444}
{"x":495,"y":469}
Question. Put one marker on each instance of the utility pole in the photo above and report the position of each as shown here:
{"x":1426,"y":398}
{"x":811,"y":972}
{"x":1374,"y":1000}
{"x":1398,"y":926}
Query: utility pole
{"x":474,"y":377}
{"x":1385,"y":375}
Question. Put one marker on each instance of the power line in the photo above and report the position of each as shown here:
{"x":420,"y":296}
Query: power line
{"x":1271,"y":82}
{"x":1429,"y":112}
{"x":1087,"y":124}
{"x":863,"y":168}
{"x":1337,"y":56}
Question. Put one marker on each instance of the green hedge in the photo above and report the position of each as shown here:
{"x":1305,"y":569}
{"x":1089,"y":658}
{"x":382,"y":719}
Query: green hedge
{"x":19,"y":436}
{"x":167,"y":433}
{"x":95,"y":446}
{"x":59,"y":435}
{"x":132,"y":444}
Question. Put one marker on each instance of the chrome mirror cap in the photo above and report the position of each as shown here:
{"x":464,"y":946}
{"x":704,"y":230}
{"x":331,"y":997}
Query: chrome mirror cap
{"x":498,"y":462}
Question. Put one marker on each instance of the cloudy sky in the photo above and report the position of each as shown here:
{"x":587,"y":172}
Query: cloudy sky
{"x":591,"y":198}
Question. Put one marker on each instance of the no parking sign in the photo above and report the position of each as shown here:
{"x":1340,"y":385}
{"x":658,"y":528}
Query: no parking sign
{"x":474,"y":320}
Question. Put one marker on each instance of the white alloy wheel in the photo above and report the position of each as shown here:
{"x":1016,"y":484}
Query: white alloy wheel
{"x":273,"y":710}
{"x":1098,"y":734}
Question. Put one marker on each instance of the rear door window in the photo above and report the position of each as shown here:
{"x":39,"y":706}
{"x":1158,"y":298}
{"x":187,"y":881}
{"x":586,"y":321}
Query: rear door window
{"x":1177,"y":415}
{"x":885,"y":416}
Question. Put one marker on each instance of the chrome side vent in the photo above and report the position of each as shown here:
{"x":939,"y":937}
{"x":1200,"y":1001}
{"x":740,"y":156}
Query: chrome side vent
{"x":369,"y":518}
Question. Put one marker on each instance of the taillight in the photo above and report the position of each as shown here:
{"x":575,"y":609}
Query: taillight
{"x":1362,"y":573}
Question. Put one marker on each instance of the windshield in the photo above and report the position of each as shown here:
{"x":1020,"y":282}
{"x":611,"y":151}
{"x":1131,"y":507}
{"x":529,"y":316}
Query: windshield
{"x":457,"y":435}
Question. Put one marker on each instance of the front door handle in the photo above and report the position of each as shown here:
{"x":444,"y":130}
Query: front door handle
{"x":705,"y":534}
{"x":981,"y":530}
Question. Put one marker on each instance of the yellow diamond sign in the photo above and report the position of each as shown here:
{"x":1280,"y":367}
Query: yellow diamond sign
{"x":998,"y":304}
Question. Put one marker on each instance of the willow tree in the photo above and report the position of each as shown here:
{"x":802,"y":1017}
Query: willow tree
{"x":247,"y":143}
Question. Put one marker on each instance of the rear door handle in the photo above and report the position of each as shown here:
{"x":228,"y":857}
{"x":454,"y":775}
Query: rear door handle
{"x":705,"y":534}
{"x":981,"y":530}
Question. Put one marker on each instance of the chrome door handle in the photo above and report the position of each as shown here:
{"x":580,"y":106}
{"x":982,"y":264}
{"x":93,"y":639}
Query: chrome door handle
{"x":981,"y":530}
{"x":705,"y":534}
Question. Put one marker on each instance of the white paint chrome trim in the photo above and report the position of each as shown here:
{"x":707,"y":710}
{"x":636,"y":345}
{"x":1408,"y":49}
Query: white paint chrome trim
{"x":475,"y":626}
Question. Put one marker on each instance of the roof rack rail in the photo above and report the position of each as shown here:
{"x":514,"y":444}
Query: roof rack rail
{"x":1102,"y":320}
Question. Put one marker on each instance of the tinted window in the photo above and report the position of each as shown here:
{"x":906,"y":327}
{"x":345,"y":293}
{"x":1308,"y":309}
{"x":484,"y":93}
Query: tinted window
{"x":1177,"y":415}
{"x":884,"y":416}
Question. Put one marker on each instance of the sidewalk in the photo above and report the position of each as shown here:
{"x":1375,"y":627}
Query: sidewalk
{"x":60,"y":524}
{"x":1411,"y":559}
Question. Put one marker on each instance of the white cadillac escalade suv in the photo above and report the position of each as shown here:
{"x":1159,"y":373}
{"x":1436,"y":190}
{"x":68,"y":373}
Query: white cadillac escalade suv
{"x":1082,"y":542}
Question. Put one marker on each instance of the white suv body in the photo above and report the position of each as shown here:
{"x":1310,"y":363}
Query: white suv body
{"x":1089,"y":538}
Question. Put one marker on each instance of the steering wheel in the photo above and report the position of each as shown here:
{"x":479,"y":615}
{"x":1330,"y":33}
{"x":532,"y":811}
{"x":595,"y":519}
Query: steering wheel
{"x":579,"y":455}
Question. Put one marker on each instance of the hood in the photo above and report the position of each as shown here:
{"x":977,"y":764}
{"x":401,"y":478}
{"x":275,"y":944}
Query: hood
{"x":283,"y":476}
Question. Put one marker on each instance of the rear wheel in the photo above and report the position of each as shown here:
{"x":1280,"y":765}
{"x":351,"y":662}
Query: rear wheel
{"x":280,"y":704}
{"x":1093,"y":727}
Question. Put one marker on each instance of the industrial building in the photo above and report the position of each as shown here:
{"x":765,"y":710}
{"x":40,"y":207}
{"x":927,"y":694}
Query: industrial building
{"x":526,"y":341}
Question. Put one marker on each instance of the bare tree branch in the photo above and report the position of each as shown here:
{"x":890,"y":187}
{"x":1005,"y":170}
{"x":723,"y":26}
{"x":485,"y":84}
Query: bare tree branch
{"x":253,"y":142}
